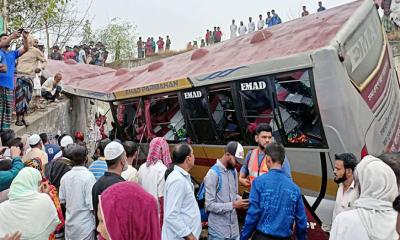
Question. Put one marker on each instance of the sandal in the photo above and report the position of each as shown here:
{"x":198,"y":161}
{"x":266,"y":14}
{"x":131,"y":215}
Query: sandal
{"x":19,"y":123}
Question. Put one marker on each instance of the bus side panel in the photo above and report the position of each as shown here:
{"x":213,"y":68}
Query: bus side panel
{"x":345,"y":115}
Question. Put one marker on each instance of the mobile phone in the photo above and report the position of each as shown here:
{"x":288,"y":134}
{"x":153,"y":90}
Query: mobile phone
{"x":245,"y":195}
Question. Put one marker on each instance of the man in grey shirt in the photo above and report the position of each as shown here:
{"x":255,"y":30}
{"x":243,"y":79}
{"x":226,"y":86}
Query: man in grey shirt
{"x":221,"y":198}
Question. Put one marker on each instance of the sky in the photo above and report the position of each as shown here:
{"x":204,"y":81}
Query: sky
{"x":187,"y":20}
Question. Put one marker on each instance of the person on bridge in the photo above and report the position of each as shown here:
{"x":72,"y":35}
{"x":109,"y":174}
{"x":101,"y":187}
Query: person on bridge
{"x":234,"y":29}
{"x":251,"y":25}
{"x":254,"y":164}
{"x":242,"y":29}
{"x":260,"y":23}
{"x":347,"y":193}
{"x":276,"y":204}
{"x":373,"y":216}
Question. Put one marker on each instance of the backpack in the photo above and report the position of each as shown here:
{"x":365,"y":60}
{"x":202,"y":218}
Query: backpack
{"x":201,"y":194}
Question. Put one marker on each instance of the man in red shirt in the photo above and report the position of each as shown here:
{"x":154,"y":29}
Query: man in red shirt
{"x":219,"y":35}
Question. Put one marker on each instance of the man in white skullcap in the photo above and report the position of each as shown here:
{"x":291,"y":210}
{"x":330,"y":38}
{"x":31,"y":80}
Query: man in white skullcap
{"x":35,"y":142}
{"x":65,"y":141}
{"x":115,"y":157}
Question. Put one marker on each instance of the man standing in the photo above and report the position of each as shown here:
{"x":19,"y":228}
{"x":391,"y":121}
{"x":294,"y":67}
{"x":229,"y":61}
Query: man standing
{"x":167,"y":44}
{"x":181,"y":213}
{"x":51,"y":88}
{"x":116,"y":162}
{"x":35,"y":142}
{"x":218,"y":35}
{"x":260,"y":24}
{"x":139,"y":44}
{"x":276,"y":205}
{"x":56,"y":55}
{"x":254,"y":164}
{"x":305,"y":12}
{"x":50,"y":149}
{"x":268,"y":19}
{"x":242,"y":29}
{"x":345,"y":164}
{"x":234,"y":29}
{"x":82,"y":54}
{"x":275,"y":20}
{"x":214,"y":36}
{"x":76,"y":193}
{"x":7,"y":79}
{"x":251,"y":25}
{"x":320,"y":7}
{"x":99,"y":167}
{"x":130,"y":174}
{"x":221,"y":197}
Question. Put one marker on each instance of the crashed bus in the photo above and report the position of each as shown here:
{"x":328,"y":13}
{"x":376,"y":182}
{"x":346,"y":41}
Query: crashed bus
{"x":326,"y":83}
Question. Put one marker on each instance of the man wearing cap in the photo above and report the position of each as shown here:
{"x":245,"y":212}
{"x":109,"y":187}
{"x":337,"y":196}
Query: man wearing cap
{"x":65,"y":141}
{"x":35,"y":142}
{"x":222,"y":200}
{"x":115,"y":156}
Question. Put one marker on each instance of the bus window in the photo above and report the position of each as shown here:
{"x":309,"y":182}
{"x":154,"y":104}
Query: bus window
{"x":196,"y":109}
{"x":224,"y":115}
{"x":167,"y":119}
{"x":298,"y":112}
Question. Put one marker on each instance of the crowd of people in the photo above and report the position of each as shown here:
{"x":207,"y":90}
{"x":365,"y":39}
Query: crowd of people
{"x":21,"y":79}
{"x":52,"y":191}
{"x":148,"y":48}
{"x":95,"y":54}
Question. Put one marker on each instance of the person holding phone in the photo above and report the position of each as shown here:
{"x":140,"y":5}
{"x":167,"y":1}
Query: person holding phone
{"x":221,"y":195}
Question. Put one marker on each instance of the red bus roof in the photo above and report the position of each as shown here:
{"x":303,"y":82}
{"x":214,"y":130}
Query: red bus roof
{"x":283,"y":40}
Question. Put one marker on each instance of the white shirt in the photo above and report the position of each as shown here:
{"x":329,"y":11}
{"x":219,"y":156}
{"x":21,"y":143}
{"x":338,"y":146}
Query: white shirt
{"x":49,"y":85}
{"x":81,"y":56}
{"x":252,"y":27}
{"x":260,"y":24}
{"x":233,"y":30}
{"x":152,"y":178}
{"x":242,"y":30}
{"x":344,"y":200}
{"x":181,"y":212}
{"x":76,"y":192}
{"x":130,"y":174}
{"x":348,"y":226}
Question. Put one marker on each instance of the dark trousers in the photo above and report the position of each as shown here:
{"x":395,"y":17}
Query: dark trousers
{"x":261,"y":236}
{"x":47,"y":95}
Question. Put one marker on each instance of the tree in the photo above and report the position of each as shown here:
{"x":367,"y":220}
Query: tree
{"x":87,"y":32}
{"x":119,"y":38}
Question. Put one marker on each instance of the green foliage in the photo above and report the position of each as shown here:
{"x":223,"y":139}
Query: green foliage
{"x":32,"y":14}
{"x":87,"y":32}
{"x":119,"y":38}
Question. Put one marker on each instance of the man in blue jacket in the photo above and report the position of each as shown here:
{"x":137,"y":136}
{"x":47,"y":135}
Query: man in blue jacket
{"x":276,"y":204}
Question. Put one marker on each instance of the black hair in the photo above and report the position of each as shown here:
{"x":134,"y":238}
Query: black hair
{"x":5,"y":165}
{"x":396,"y":204}
{"x":35,"y":145}
{"x":102,"y":145}
{"x":263,"y":127}
{"x":3,"y":35}
{"x":393,"y":161}
{"x":130,"y":148}
{"x":78,"y":154}
{"x":7,"y":137}
{"x":179,"y":155}
{"x":17,"y":142}
{"x":349,"y":160}
{"x":44,"y":137}
{"x":276,"y":152}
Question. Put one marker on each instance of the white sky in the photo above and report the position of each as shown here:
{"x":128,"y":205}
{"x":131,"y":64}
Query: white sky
{"x":187,"y":20}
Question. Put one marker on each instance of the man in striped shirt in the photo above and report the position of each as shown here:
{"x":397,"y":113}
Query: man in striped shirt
{"x":99,"y":167}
